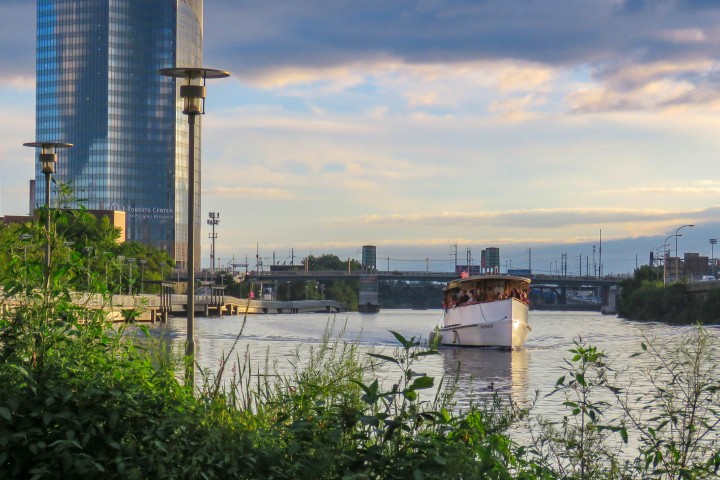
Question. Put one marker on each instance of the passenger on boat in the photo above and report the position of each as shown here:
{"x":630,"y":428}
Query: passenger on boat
{"x":463,"y":298}
{"x":524,"y":296}
{"x":449,"y":301}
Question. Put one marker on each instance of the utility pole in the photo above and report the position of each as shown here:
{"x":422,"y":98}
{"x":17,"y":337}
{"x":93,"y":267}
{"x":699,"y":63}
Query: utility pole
{"x":530,"y":260}
{"x":600,"y":261}
{"x":455,"y":245}
{"x":587,"y":265}
{"x":212,"y":221}
{"x":594,"y":264}
{"x":581,"y":264}
{"x":257,"y":257}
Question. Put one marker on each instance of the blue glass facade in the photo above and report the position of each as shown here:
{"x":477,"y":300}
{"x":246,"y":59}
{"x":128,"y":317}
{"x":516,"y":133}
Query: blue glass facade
{"x":98,"y":87}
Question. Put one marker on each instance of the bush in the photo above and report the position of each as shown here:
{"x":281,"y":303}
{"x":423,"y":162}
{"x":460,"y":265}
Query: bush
{"x":82,"y":399}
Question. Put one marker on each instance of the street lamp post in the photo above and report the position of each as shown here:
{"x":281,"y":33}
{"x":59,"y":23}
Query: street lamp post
{"x":130,"y":262}
{"x":48,"y":159}
{"x":120,"y":262}
{"x":713,"y":242}
{"x":193,"y":93}
{"x":143,"y":262}
{"x":656,"y":259}
{"x":69,"y":245}
{"x":88,"y":251}
{"x":106,"y":258}
{"x":677,"y":255}
{"x":212,"y":221}
{"x":665,"y":257}
{"x":25,"y":237}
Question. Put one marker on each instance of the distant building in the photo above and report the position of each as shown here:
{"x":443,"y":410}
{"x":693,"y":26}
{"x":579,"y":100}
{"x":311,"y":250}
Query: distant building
{"x":98,"y":87}
{"x":691,"y":267}
{"x":369,"y":258}
{"x":695,"y":266}
{"x":490,"y":260}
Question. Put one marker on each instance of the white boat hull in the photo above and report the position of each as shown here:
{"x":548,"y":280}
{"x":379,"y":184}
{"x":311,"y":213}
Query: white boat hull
{"x":502,"y":323}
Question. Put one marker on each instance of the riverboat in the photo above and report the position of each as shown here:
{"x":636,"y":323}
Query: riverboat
{"x":484,"y":311}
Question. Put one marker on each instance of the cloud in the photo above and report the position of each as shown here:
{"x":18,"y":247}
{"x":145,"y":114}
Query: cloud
{"x":269,"y":35}
{"x":248,"y":192}
{"x":637,"y":6}
{"x":712,"y":191}
{"x":641,"y":55}
{"x":688,"y":35}
{"x":534,"y":218}
{"x":17,"y":37}
{"x":649,"y":86}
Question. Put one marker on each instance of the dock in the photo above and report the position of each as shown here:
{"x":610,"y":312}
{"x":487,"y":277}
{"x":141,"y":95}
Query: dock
{"x":158,"y":308}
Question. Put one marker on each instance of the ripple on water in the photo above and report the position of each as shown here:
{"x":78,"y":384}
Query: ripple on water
{"x":519,"y":372}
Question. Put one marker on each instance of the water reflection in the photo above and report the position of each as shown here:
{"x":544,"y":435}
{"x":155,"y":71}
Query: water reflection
{"x":488,"y":370}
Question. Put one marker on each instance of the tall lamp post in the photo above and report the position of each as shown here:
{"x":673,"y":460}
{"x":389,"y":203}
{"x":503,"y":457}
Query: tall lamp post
{"x":713,"y":242}
{"x":193,"y":93}
{"x":665,"y":256}
{"x":212,"y":221}
{"x":131,"y":280}
{"x":143,"y":262}
{"x":88,"y":251}
{"x":677,"y":255}
{"x":48,"y":159}
{"x":25,"y":237}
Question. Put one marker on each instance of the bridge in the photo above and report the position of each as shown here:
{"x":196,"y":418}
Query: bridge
{"x":548,"y":280}
{"x":549,"y":291}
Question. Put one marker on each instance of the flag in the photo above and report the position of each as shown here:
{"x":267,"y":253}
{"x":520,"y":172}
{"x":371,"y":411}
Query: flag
{"x":464,"y":275}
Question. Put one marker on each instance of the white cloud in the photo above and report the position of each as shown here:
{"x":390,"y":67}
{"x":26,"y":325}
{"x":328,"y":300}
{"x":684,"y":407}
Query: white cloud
{"x":687,"y":35}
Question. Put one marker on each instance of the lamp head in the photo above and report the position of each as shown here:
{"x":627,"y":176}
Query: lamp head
{"x":193,"y":88}
{"x":48,"y":156}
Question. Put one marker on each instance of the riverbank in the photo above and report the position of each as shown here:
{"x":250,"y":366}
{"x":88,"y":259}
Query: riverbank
{"x":646,"y":299}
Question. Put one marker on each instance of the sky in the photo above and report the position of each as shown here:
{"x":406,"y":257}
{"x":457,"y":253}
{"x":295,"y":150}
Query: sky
{"x":426,"y":126}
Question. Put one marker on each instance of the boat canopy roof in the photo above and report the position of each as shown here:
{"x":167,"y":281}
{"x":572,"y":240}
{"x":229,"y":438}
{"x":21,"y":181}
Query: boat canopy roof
{"x":478,"y":280}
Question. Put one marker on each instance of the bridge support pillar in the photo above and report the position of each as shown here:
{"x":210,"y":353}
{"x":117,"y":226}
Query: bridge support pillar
{"x":368,"y":301}
{"x":609,"y":297}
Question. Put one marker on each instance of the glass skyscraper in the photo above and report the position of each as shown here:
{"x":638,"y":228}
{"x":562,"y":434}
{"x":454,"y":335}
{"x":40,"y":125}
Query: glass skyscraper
{"x":98,"y":87}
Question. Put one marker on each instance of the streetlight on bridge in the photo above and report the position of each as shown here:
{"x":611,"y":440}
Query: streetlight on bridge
{"x":713,"y":242}
{"x":665,"y":256}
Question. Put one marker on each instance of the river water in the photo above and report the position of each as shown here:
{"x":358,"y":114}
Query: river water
{"x":519,"y":373}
